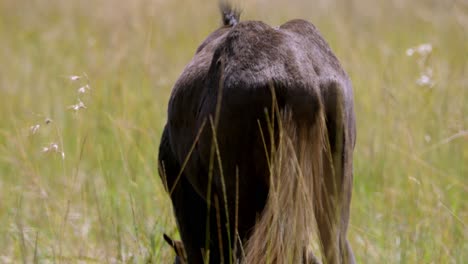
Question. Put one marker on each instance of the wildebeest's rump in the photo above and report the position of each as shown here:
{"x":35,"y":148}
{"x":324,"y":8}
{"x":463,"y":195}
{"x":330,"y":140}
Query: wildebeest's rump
{"x":257,"y":150}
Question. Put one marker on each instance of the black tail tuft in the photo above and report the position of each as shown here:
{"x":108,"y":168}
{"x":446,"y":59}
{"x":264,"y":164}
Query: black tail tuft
{"x":229,"y":14}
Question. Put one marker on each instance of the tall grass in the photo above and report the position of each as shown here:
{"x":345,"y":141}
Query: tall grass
{"x":104,"y":202}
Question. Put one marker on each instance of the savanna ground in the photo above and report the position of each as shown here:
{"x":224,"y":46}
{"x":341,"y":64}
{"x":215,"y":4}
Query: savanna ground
{"x":85,"y":188}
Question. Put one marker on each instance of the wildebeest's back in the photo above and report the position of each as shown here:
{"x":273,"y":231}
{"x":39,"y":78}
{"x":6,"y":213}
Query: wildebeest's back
{"x":295,"y":51}
{"x":247,"y":60}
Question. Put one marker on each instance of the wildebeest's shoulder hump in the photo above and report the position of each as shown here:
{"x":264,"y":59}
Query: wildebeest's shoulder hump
{"x":300,"y":26}
{"x":316,"y":47}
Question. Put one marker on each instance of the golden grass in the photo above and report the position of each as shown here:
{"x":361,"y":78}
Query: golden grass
{"x":104,"y":201}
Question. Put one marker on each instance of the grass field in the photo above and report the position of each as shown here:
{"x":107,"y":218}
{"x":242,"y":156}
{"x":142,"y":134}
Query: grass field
{"x":79,"y":182}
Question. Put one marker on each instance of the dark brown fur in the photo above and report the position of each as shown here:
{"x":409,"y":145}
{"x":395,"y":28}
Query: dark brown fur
{"x":221,"y":175}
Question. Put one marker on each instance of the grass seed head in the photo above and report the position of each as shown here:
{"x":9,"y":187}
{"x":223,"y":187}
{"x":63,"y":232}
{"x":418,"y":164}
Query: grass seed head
{"x":74,"y":77}
{"x":78,"y":106}
{"x":422,"y":50}
{"x":425,"y":80}
{"x":53,"y":148}
{"x":84,"y":89}
{"x":34,"y":129}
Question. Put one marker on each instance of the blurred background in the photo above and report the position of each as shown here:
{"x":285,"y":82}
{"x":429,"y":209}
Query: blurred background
{"x":84,"y":87}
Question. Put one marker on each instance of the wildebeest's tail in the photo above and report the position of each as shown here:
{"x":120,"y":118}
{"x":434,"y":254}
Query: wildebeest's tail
{"x":284,"y":231}
{"x":230,"y":15}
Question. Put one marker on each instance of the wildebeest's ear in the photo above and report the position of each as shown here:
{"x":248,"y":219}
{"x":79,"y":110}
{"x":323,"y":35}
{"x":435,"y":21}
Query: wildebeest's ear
{"x":178,"y":246}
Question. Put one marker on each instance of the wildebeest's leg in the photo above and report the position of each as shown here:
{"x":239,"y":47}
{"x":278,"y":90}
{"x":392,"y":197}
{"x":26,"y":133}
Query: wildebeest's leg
{"x":349,"y":141}
{"x":333,"y":216}
{"x":189,"y":207}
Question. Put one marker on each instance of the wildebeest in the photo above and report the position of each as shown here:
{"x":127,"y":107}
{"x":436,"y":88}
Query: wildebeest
{"x":257,"y":150}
